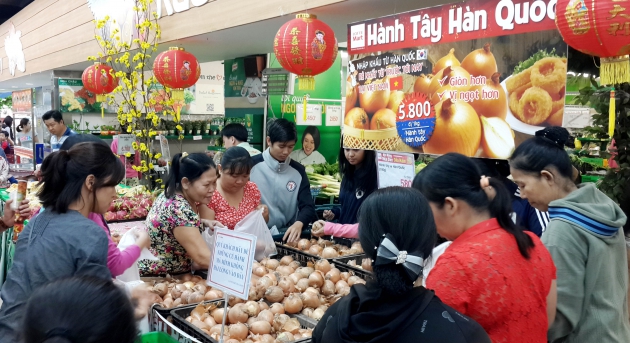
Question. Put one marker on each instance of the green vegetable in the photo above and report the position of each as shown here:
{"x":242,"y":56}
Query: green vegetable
{"x":539,"y":55}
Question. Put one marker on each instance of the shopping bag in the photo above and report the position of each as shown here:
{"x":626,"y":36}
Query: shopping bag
{"x":208,"y":237}
{"x":133,"y":273}
{"x":255,"y":224}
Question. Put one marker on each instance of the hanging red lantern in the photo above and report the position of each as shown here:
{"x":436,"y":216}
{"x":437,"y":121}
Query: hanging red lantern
{"x":99,"y":79}
{"x":307,"y":47}
{"x":599,"y":28}
{"x":177,"y":69}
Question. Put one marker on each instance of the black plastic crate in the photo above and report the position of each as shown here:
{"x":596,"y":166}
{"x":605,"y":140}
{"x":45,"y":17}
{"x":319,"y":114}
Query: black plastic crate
{"x":181,"y":313}
{"x":341,"y":263}
{"x":297,"y":254}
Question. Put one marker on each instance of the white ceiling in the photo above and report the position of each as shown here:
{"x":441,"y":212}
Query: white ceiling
{"x":255,"y":38}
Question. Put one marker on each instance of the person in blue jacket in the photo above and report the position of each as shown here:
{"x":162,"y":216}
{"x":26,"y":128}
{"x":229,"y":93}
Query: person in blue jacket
{"x":524,"y":215}
{"x":283,"y":184}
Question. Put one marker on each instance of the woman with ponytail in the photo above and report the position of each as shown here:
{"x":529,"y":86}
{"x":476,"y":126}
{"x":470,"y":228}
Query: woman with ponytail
{"x":585,"y":238}
{"x":494,"y":272}
{"x":62,"y":242}
{"x":175,"y":220}
{"x":398,"y":233}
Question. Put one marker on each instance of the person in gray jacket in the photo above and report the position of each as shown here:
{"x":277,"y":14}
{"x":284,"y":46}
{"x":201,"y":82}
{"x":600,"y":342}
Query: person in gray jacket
{"x":62,"y":242}
{"x":283,"y":183}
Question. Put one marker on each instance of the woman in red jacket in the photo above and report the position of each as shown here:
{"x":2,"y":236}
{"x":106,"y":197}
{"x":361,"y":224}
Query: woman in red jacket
{"x":494,"y":272}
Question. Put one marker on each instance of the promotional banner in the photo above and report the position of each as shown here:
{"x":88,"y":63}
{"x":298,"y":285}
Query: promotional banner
{"x":22,"y":101}
{"x":73,"y":97}
{"x":476,"y":78}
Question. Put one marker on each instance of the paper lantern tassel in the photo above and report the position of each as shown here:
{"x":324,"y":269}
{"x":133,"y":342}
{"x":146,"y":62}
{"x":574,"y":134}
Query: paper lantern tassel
{"x":611,"y":114}
{"x":615,"y":70}
{"x":306,"y":83}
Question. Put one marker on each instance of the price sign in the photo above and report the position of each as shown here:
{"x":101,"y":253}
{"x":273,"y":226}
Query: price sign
{"x":125,"y":144}
{"x":395,"y":169}
{"x":415,"y":120}
{"x":333,"y":115}
{"x":313,"y":115}
{"x":232,"y":261}
{"x":197,"y":138}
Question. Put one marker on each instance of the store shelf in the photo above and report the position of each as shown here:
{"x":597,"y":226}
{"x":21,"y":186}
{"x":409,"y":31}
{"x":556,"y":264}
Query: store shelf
{"x":186,"y":138}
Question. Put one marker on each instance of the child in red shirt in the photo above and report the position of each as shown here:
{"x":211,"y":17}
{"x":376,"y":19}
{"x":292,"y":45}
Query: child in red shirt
{"x":7,"y":146}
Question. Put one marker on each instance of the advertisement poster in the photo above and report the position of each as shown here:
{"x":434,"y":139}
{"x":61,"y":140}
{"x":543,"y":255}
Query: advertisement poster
{"x":234,"y":77}
{"x":395,"y":169}
{"x":476,"y":78}
{"x":74,"y":98}
{"x":22,"y":101}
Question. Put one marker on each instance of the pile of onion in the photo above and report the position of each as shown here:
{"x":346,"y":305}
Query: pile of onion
{"x":328,"y":249}
{"x":188,"y":289}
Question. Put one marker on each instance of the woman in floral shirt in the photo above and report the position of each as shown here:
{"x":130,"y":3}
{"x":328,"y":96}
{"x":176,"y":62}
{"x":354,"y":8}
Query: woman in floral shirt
{"x":174,"y":222}
{"x":236,"y":196}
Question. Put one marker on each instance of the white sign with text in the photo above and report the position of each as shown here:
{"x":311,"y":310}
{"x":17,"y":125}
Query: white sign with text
{"x":333,"y":115}
{"x":395,"y":169}
{"x":313,"y":115}
{"x":231,"y":263}
{"x":125,"y":144}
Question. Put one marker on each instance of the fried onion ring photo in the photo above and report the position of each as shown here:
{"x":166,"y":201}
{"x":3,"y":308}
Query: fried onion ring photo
{"x":515,"y":97}
{"x":512,"y":84}
{"x":555,"y":119}
{"x":534,"y":106}
{"x":549,"y":74}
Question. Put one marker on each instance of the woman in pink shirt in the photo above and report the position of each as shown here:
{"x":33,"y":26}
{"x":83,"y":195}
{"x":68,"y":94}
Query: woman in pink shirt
{"x":324,"y":228}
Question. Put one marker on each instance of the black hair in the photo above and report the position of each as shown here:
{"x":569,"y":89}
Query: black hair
{"x":8,"y":120}
{"x":236,"y":130}
{"x":314,"y":132}
{"x":281,"y":130}
{"x":493,"y":168}
{"x":64,"y":173}
{"x":190,"y":167}
{"x":365,"y":177}
{"x":57,"y":312}
{"x":544,"y":150}
{"x":54,"y":114}
{"x":405,"y":214}
{"x":76,"y":139}
{"x":236,"y":161}
{"x":4,"y":133}
{"x":23,"y":122}
{"x":457,"y":176}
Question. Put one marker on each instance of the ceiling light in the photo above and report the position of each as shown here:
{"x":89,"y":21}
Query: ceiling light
{"x":29,"y":84}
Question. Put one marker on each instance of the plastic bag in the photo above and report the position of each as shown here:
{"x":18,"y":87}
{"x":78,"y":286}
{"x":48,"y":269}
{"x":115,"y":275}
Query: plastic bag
{"x":133,"y":273}
{"x":255,"y":224}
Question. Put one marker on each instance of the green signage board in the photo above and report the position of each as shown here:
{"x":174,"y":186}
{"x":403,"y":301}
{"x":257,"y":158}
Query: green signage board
{"x":234,"y":77}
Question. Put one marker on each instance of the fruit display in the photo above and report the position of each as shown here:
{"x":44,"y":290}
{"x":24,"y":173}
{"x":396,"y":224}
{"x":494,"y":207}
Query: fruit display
{"x":187,"y":290}
{"x":326,"y":249}
{"x":133,"y":203}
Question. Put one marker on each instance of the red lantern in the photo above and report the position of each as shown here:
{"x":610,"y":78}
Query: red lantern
{"x":599,"y":28}
{"x":177,"y":69}
{"x":305,"y":46}
{"x":99,"y":79}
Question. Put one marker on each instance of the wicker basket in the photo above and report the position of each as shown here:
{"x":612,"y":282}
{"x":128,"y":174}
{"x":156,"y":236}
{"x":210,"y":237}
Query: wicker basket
{"x":354,"y":138}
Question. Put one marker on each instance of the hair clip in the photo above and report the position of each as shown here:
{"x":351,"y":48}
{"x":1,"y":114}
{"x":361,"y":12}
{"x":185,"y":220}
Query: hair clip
{"x":184,"y":155}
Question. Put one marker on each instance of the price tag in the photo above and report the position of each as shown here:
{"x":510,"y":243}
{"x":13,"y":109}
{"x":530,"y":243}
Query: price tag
{"x":231,"y":263}
{"x":125,"y":144}
{"x":333,"y":115}
{"x":395,"y":169}
{"x":197,"y":138}
{"x":313,"y":115}
{"x":415,"y":120}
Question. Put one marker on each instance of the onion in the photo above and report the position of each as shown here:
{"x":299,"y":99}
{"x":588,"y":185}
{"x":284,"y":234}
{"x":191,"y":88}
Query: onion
{"x":264,"y":282}
{"x":251,"y":320}
{"x":167,"y":303}
{"x":233,"y":340}
{"x":210,"y":322}
{"x":185,"y":295}
{"x":259,"y":271}
{"x":295,"y":265}
{"x":267,"y":339}
{"x":487,"y":107}
{"x":328,"y":288}
{"x":316,"y":279}
{"x":295,"y":277}
{"x":312,"y":290}
{"x":457,"y":129}
{"x":261,"y":327}
{"x":285,"y":337}
{"x":286,"y":260}
{"x":366,"y":264}
{"x":353,"y":280}
{"x":480,"y":62}
{"x":324,"y":242}
{"x":333,"y":275}
{"x":211,"y":295}
{"x":186,"y":277}
{"x":395,"y":99}
{"x":318,"y":314}
{"x":306,"y":333}
{"x":238,"y":331}
{"x":384,"y":118}
{"x":177,"y":302}
{"x":292,"y":304}
{"x":176,"y":292}
{"x":324,"y":307}
{"x":237,"y":315}
{"x":251,"y":308}
{"x":344,"y":276}
{"x":195,"y":297}
{"x":310,"y":299}
{"x":277,"y":308}
{"x":219,"y":293}
{"x":198,"y":312}
{"x":302,"y":284}
{"x":232,"y":301}
{"x":447,"y":61}
{"x":329,"y":252}
{"x":160,"y":289}
{"x":279,"y":321}
{"x":254,"y":294}
{"x":352,"y":95}
{"x":217,"y":329}
{"x":217,"y":315}
{"x":285,"y":270}
{"x":323,"y":266}
{"x":304,"y":244}
{"x":316,"y":249}
{"x":372,"y":101}
{"x":198,"y":323}
{"x":307,"y":312}
{"x":272,"y":264}
{"x":442,"y":80}
{"x":273,"y":277}
{"x":189,"y":284}
{"x":357,"y":246}
{"x":422,"y":84}
{"x":263,"y":305}
{"x":342,"y":288}
{"x":287,"y":285}
{"x":266,"y":315}
{"x":274,"y":294}
{"x":305,"y":271}
{"x":292,"y":325}
{"x":200,"y":288}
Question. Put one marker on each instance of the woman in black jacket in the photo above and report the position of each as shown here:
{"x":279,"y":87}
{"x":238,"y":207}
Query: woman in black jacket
{"x":398,"y":233}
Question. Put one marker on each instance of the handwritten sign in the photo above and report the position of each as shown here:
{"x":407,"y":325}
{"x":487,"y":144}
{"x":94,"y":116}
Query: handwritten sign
{"x":577,"y":117}
{"x":395,"y":169}
{"x":313,"y":115}
{"x":231,"y":263}
{"x":125,"y":144}
{"x":333,"y":115}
